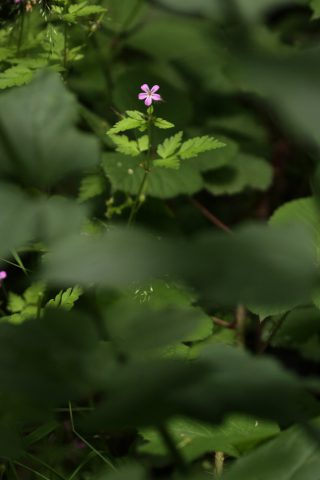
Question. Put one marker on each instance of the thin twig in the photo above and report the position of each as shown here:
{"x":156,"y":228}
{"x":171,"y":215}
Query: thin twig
{"x":223,"y":323}
{"x":273,"y":333}
{"x":212,"y":218}
{"x":89,"y":445}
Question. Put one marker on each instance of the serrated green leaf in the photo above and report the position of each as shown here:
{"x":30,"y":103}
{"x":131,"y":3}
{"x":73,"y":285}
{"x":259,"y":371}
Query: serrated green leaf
{"x":163,"y":124}
{"x":125,"y":145}
{"x":193,"y":147}
{"x":194,"y":439}
{"x":15,"y":76}
{"x":15,"y":303}
{"x":135,"y":114}
{"x":90,"y":187}
{"x":143,"y":143}
{"x":127,"y":123}
{"x":66,"y":298}
{"x":170,"y":145}
{"x":170,"y":162}
{"x":32,"y":293}
{"x":82,"y":10}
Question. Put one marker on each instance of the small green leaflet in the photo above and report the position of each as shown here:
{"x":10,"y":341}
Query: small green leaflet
{"x":133,"y":120}
{"x":66,"y":299}
{"x":125,"y":145}
{"x":143,"y":143}
{"x":91,"y":186}
{"x":82,"y":10}
{"x":170,"y":145}
{"x":163,"y":124}
{"x":170,"y":162}
{"x":191,"y":148}
{"x":130,"y":147}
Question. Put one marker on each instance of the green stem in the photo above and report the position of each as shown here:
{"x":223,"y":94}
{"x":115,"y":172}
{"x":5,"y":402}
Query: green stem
{"x":218,"y":464}
{"x":89,"y":445}
{"x":46,"y":465}
{"x":32,"y":470}
{"x":14,"y":471}
{"x":137,"y":203}
{"x":172,"y":448}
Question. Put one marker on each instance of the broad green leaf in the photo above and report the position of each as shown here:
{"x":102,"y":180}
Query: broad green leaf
{"x":170,"y":145}
{"x":126,"y":174}
{"x":163,"y":124}
{"x":236,"y":435}
{"x":277,"y":263}
{"x":49,"y":147}
{"x":193,"y":147}
{"x":244,"y":171}
{"x":293,"y":455}
{"x":66,"y":299}
{"x":303,"y":211}
{"x":90,"y":187}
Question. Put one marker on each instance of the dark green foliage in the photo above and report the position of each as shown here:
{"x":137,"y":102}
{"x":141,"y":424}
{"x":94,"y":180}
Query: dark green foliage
{"x":138,"y":342}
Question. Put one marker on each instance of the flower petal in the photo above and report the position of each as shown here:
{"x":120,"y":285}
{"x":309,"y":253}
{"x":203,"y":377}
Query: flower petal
{"x":142,"y":96}
{"x":156,"y":97}
{"x":145,"y":88}
{"x":155,"y":88}
{"x":148,"y":101}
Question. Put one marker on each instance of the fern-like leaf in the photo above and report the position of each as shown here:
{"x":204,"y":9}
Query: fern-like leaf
{"x":191,"y":148}
{"x":170,"y":145}
{"x":127,"y":123}
{"x":163,"y":124}
{"x":125,"y":145}
{"x":66,"y":299}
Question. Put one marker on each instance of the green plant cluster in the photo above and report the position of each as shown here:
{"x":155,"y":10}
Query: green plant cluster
{"x":160,"y":316}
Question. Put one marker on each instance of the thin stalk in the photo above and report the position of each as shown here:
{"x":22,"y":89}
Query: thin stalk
{"x":17,"y":258}
{"x":89,"y":445}
{"x":172,"y":448}
{"x":46,"y":465}
{"x":82,"y":464}
{"x":137,"y":203}
{"x":218,"y":464}
{"x":14,"y":471}
{"x":40,"y":475}
{"x":241,"y":315}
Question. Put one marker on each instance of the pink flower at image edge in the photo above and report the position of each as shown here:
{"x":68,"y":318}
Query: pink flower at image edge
{"x":3,"y":275}
{"x":149,"y":95}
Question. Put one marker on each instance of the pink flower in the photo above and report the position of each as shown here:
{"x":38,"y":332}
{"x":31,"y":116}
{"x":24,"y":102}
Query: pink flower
{"x":3,"y":275}
{"x":149,"y":94}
